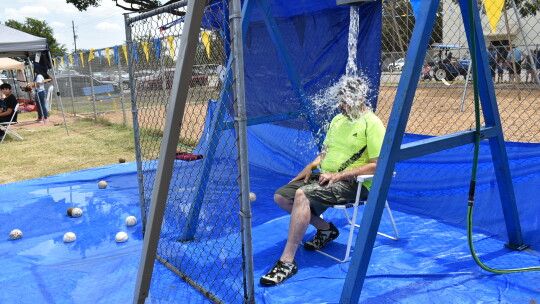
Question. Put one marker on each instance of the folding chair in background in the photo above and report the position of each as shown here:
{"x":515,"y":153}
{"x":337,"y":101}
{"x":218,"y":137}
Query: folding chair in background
{"x":5,"y":126}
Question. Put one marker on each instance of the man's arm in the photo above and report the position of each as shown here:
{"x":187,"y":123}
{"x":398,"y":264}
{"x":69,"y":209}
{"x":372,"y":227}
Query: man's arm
{"x":306,"y":172}
{"x":6,"y":112}
{"x":350,"y":174}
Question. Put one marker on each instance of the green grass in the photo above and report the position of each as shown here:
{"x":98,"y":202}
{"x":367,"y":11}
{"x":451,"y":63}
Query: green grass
{"x":49,"y":150}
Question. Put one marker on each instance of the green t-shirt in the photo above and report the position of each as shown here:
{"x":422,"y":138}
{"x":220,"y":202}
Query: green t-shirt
{"x":345,"y":137}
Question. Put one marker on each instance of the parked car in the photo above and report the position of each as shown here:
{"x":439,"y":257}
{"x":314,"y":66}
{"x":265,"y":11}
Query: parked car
{"x":78,"y":82}
{"x":397,"y":65}
{"x":123,"y":75}
{"x":66,"y":73}
{"x":164,"y":79}
{"x":101,"y":76}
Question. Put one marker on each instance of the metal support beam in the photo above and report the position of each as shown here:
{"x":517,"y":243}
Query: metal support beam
{"x":388,"y":156}
{"x":392,"y":152}
{"x":224,"y":104}
{"x":180,"y":87}
{"x":490,"y":110}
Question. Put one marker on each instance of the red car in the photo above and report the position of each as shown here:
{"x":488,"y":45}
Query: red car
{"x":164,"y":78}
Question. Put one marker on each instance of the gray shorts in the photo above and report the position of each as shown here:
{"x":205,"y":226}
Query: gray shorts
{"x":320,"y":198}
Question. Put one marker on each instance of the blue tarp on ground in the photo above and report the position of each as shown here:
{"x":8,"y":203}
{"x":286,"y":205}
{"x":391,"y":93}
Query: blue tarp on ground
{"x":430,"y":261}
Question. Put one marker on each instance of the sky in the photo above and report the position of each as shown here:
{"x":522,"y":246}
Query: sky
{"x":96,"y":28}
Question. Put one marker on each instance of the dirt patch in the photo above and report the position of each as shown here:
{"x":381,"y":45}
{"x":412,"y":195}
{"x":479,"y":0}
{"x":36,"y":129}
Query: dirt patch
{"x":436,"y":110}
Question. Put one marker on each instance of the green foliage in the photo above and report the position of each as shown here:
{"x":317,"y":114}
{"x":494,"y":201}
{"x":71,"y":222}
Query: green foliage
{"x":83,"y":5}
{"x":41,"y":29}
{"x":128,"y":5}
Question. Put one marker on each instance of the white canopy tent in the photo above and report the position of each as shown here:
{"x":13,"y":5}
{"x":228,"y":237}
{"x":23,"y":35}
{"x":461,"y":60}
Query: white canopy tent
{"x":10,"y":64}
{"x":15,"y":43}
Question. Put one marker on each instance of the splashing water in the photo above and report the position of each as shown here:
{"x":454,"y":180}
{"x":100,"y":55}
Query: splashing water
{"x":352,"y":88}
{"x":354,"y":25}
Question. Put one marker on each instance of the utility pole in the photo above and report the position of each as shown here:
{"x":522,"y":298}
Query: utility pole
{"x":74,"y":36}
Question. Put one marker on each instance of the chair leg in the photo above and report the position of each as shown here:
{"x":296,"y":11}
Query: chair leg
{"x":7,"y":130}
{"x":396,"y":237}
{"x":352,"y":225}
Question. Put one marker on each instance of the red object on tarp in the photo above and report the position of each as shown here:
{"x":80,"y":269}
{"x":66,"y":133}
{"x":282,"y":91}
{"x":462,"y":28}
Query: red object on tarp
{"x":187,"y":156}
{"x":26,"y":105}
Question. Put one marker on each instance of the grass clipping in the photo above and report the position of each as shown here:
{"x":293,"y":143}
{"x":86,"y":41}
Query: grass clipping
{"x":49,"y":151}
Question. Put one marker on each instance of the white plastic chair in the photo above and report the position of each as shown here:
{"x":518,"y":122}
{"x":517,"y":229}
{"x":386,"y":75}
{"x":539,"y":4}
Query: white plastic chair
{"x":49,"y":97}
{"x":352,"y":219}
{"x":5,"y":126}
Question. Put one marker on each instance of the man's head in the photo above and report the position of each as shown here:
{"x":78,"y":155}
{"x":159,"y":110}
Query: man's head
{"x":6,"y":88}
{"x":351,"y":97}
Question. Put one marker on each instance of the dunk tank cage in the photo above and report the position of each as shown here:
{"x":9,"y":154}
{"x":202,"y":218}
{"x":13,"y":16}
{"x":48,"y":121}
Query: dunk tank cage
{"x":196,"y":214}
{"x":393,"y":151}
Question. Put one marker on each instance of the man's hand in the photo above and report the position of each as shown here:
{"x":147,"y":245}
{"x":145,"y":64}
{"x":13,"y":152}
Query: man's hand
{"x":330,"y":178}
{"x":304,"y":174}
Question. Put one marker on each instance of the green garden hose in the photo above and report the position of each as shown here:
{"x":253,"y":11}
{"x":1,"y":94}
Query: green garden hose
{"x":472,"y":185}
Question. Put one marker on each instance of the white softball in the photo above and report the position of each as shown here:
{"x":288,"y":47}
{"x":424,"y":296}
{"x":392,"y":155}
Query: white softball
{"x":102,"y":184}
{"x":76,"y":212}
{"x":131,"y":221}
{"x":252,"y":197}
{"x":69,"y":237}
{"x":15,"y":234}
{"x":121,"y":237}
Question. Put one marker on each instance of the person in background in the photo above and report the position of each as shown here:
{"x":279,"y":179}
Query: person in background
{"x":10,"y":102}
{"x":492,"y":61}
{"x":529,"y":71}
{"x":41,"y":99}
{"x":500,"y":70}
{"x":351,"y":148}
{"x":514,"y":59}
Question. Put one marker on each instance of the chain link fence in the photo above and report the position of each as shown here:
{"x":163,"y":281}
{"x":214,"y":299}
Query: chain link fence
{"x":201,"y":240}
{"x":201,"y":234}
{"x":444,"y":101}
{"x":96,"y":82}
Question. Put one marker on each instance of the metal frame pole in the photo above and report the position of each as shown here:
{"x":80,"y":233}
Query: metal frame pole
{"x":243,"y":165}
{"x":389,"y":153}
{"x":71,"y":90}
{"x":492,"y":118}
{"x":186,"y":54}
{"x":121,"y":90}
{"x":392,"y":150}
{"x":135,"y":118}
{"x":92,"y":86}
{"x":59,"y":96}
{"x":217,"y":124}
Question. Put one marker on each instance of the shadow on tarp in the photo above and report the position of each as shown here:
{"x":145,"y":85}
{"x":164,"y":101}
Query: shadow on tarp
{"x":430,"y":261}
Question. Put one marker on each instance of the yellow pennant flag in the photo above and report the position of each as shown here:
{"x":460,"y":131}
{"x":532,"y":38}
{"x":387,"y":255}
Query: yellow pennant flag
{"x":493,"y":12}
{"x":124,"y":49}
{"x":71,"y":60}
{"x":170,"y":41}
{"x":62,"y":63}
{"x":205,"y":37}
{"x":54,"y":62}
{"x":108,"y":55}
{"x":91,"y":55}
{"x":145,"y":49}
{"x":82,"y":59}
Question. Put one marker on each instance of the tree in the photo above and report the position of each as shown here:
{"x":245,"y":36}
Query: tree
{"x":41,"y":29}
{"x":128,"y":5}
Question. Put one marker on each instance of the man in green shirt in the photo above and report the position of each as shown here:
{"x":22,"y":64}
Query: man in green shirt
{"x":357,"y":130}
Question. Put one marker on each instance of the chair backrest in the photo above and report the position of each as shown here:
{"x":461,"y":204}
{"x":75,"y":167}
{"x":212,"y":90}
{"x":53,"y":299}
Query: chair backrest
{"x":49,"y":97}
{"x":14,"y":114}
